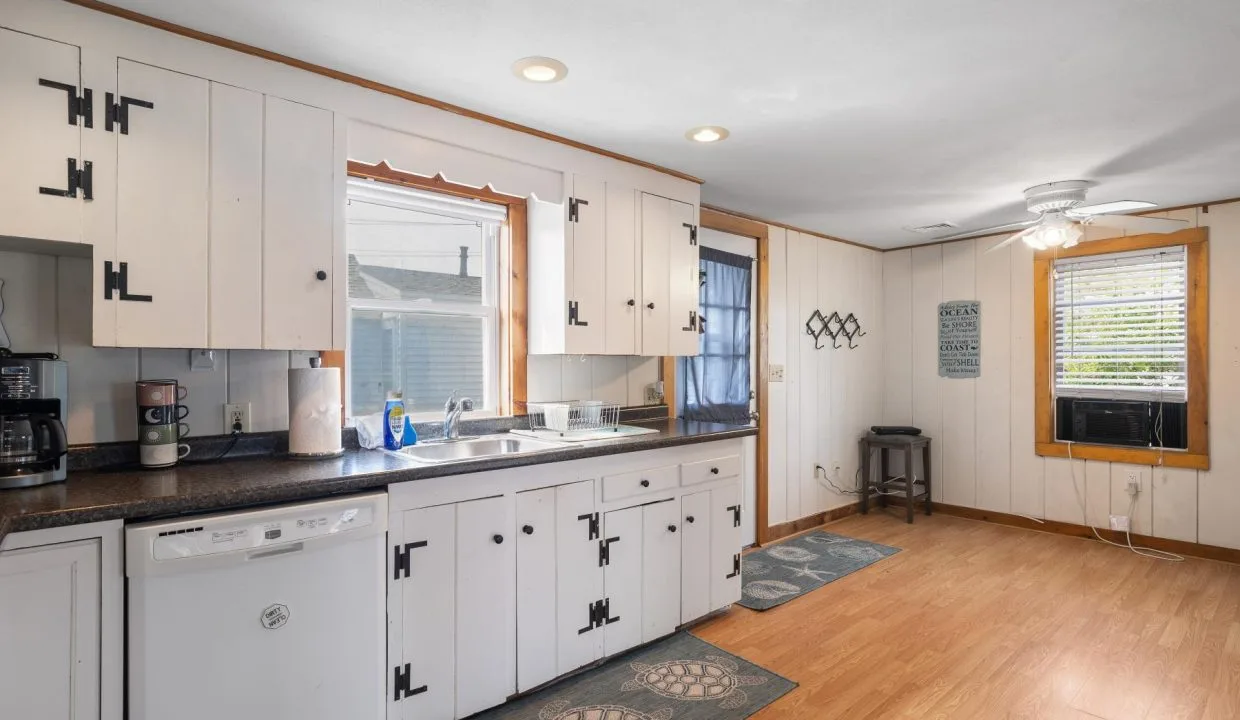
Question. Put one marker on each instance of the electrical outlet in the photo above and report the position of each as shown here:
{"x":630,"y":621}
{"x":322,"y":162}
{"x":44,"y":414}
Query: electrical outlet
{"x":777,"y":373}
{"x":1133,"y":486}
{"x":236,"y":418}
{"x":837,"y":469}
{"x":1119,"y":523}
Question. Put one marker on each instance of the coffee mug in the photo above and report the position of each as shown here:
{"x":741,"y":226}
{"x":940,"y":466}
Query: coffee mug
{"x":161,"y":414}
{"x":166,"y":455}
{"x":160,"y":392}
{"x":162,"y":434}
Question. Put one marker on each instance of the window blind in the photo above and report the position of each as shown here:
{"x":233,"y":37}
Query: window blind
{"x":1121,"y":326}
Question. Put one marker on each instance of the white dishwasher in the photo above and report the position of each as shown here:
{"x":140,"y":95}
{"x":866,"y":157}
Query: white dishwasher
{"x":271,"y":614}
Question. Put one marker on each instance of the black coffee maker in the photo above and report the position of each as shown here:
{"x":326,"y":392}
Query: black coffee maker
{"x":33,"y":400}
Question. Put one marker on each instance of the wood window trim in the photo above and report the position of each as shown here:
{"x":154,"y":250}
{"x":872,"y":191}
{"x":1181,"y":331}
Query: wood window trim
{"x":513,"y":328}
{"x":1197,"y":455}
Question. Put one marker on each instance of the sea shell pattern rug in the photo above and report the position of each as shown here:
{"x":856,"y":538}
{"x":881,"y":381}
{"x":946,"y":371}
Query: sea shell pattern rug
{"x":779,"y":573}
{"x":677,"y":678}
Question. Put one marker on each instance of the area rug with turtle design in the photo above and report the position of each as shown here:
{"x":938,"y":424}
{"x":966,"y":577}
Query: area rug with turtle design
{"x":778,"y":573}
{"x":677,"y":678}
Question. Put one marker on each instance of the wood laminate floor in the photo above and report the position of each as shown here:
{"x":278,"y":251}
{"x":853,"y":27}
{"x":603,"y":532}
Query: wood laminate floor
{"x":975,"y":620}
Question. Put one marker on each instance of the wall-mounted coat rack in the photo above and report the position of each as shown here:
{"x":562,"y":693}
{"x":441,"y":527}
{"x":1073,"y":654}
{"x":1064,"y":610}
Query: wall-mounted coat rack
{"x":834,"y":327}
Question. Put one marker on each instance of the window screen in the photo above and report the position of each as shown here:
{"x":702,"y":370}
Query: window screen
{"x":1121,"y":326}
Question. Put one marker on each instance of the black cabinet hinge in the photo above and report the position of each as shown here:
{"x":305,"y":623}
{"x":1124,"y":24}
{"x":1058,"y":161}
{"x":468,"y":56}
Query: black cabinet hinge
{"x":574,"y":314}
{"x":736,"y":566}
{"x":592,"y":518}
{"x":117,"y":113}
{"x":692,"y":326}
{"x":574,"y":211}
{"x":118,"y":281}
{"x":400,"y":558}
{"x":599,"y":611}
{"x":79,"y":106}
{"x":736,"y":515}
{"x":604,"y":550}
{"x":692,"y":232}
{"x":76,"y":180}
{"x":401,"y":680}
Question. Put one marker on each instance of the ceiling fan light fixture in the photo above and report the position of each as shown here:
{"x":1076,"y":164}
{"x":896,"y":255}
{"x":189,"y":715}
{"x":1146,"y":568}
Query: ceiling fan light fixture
{"x":1055,"y":231}
{"x":538,"y":69}
{"x":707,"y":134}
{"x":1118,"y":206}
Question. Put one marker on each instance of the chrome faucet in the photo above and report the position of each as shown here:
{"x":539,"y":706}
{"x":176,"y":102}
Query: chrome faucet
{"x":452,"y":415}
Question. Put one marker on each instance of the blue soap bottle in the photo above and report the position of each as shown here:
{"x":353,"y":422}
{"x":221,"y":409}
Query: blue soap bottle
{"x":393,"y":421}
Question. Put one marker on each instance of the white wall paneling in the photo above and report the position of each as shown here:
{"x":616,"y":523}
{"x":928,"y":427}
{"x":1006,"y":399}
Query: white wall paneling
{"x":993,"y":388}
{"x":813,"y":414}
{"x":29,"y":299}
{"x":1141,"y":517}
{"x":897,"y":304}
{"x":792,"y":377}
{"x":1028,"y":485}
{"x":1174,"y":501}
{"x":621,"y":379}
{"x":1097,"y":493}
{"x":927,"y":293}
{"x":959,"y":434}
{"x":781,"y":323}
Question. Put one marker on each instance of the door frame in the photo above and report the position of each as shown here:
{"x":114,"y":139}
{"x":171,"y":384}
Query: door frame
{"x":734,"y":225}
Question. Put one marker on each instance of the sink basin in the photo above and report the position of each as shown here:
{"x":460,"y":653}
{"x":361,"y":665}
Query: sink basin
{"x":472,"y":449}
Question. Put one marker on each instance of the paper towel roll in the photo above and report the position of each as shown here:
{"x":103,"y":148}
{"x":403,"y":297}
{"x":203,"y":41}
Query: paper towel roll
{"x":314,"y":412}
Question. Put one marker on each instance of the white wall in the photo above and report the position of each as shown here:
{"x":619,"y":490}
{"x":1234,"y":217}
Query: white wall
{"x":613,"y":378}
{"x":983,"y":428}
{"x":829,"y":397}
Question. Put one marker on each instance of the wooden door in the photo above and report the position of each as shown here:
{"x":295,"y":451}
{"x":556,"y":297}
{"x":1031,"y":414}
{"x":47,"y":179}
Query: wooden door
{"x":587,"y":255}
{"x":39,"y":138}
{"x":428,"y":614}
{"x":622,"y":580}
{"x":485,"y":604}
{"x":161,"y":209}
{"x":684,"y":280}
{"x":725,"y":545}
{"x":621,"y":315}
{"x":656,"y":220}
{"x":579,"y":576}
{"x":661,"y":537}
{"x":696,"y":559}
{"x":536,"y":588}
{"x":49,"y":632}
{"x":298,"y":231}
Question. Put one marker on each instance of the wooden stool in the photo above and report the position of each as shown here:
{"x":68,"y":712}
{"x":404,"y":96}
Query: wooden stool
{"x":905,"y":486}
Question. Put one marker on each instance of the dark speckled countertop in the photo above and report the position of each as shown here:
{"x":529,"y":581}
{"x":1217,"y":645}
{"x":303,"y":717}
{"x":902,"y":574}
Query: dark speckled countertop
{"x":94,"y":496}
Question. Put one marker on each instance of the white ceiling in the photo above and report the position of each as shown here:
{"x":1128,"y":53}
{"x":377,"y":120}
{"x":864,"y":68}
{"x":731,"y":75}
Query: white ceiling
{"x":849,"y":118}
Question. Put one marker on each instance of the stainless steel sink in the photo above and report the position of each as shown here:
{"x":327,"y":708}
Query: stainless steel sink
{"x":472,"y":449}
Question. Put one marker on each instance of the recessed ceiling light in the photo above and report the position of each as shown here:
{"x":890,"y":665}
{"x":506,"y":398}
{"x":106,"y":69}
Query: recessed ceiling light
{"x":707,"y":134}
{"x":540,"y":69}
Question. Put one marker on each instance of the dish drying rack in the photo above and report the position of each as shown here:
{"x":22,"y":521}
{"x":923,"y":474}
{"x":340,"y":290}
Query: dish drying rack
{"x":578,"y":416}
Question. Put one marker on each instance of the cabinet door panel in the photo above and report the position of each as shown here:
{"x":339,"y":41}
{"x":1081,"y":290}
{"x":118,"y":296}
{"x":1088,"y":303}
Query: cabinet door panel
{"x":589,"y":256}
{"x":536,"y":589}
{"x":622,"y":580}
{"x":161,"y":208}
{"x":429,"y":613}
{"x":683,"y":272}
{"x":236,"y":218}
{"x":38,"y":139}
{"x":660,"y":569}
{"x":485,"y":604}
{"x":49,"y":632}
{"x":655,"y":255}
{"x":696,"y":559}
{"x":298,"y":196}
{"x":621,"y":280}
{"x":579,"y":578}
{"x":725,"y":581}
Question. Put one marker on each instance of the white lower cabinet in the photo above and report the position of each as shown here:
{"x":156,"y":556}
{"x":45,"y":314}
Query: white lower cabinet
{"x":710,"y":550}
{"x":661,"y":541}
{"x":621,"y":613}
{"x":695,"y":556}
{"x":579,"y":577}
{"x":536,"y":588}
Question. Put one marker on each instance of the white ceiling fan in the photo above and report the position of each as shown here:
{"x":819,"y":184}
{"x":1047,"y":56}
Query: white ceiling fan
{"x":1061,"y":210}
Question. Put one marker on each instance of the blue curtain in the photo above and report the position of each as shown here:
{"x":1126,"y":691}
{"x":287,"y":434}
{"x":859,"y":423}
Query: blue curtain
{"x":715,"y":384}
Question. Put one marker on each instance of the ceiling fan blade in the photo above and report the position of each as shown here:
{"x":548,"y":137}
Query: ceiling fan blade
{"x":1106,"y":208}
{"x":1010,"y":240}
{"x":1136,"y":223}
{"x":989,"y":231}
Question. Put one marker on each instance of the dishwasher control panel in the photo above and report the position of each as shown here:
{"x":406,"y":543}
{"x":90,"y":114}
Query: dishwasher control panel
{"x":266,"y":529}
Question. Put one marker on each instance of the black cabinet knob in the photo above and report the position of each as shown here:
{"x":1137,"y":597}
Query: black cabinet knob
{"x":498,"y":539}
{"x":527,"y":529}
{"x":645,"y":483}
{"x":671,"y":528}
{"x":631,"y":302}
{"x":714,"y":471}
{"x":322,"y":274}
{"x":650,"y":305}
{"x":689,"y":519}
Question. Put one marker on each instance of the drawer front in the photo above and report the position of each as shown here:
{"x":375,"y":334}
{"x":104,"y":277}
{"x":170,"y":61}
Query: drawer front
{"x":707,"y":470}
{"x":616,"y":487}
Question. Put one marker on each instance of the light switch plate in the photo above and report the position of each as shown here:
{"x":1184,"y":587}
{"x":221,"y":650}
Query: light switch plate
{"x":777,"y":373}
{"x":201,"y":360}
{"x":1119,"y":523}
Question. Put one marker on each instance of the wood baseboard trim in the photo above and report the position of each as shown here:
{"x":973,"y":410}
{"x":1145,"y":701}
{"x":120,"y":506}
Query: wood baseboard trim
{"x":1180,"y":547}
{"x":785,"y":529}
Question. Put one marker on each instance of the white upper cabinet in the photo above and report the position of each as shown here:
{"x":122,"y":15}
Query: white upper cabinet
{"x":669,"y":312}
{"x":298,"y":234}
{"x":159,"y":279}
{"x":620,"y":314}
{"x":41,"y":140}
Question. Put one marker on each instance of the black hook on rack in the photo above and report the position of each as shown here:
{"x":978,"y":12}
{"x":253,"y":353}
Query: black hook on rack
{"x":816,"y":330}
{"x":851,"y":328}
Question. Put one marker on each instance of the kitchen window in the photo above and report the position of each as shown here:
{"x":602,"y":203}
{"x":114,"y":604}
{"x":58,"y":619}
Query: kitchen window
{"x":424,"y":288}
